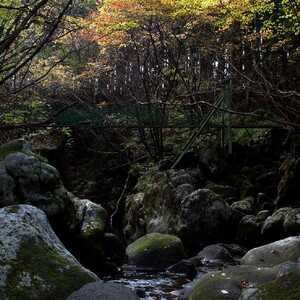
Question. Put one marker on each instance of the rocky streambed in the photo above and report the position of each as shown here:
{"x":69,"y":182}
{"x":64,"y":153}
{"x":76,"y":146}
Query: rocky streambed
{"x":181,"y":234}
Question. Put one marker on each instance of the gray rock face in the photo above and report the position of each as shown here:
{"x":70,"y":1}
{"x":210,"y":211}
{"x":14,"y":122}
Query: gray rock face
{"x":275,"y":253}
{"x":34,"y":264}
{"x":38,"y":184}
{"x":103,"y":291}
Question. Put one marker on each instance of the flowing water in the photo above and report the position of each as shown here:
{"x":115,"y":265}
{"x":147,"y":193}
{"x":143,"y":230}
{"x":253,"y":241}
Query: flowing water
{"x":156,"y":286}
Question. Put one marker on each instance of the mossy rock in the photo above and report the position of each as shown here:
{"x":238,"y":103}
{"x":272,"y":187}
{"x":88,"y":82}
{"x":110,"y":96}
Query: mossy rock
{"x":230,"y":282}
{"x":33,"y":262}
{"x":155,"y":250}
{"x":286,"y":286}
{"x":11,"y":147}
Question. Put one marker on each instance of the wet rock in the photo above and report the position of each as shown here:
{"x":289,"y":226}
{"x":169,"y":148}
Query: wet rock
{"x":156,"y":251}
{"x":274,"y":253}
{"x":34,"y":264}
{"x":230,"y":282}
{"x":185,"y":267}
{"x":249,"y":231}
{"x":105,"y":291}
{"x":216,"y":254}
{"x":284,"y":286}
{"x":273,"y":226}
{"x":245,"y":206}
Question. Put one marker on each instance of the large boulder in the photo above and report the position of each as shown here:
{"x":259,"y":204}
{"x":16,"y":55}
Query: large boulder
{"x":206,"y":215}
{"x":37,"y":184}
{"x":283,"y":222}
{"x":286,"y":285}
{"x":103,"y":291}
{"x":273,"y":226}
{"x":274,"y":253}
{"x":249,"y":283}
{"x":230,"y":282}
{"x":168,"y":203}
{"x":88,"y":218}
{"x":156,"y":251}
{"x":34,"y":264}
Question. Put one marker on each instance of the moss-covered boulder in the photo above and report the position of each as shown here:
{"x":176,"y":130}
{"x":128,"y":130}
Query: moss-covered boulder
{"x":37,"y":183}
{"x":34,"y":264}
{"x":155,"y":250}
{"x":230,"y":282}
{"x":286,"y":285}
{"x":170,"y":203}
{"x":88,"y":218}
{"x":274,"y":253}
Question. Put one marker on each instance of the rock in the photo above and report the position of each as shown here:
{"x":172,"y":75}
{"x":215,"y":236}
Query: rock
{"x":249,"y":231}
{"x":284,"y":286}
{"x":34,"y":264}
{"x":245,"y":206}
{"x":291,"y":224}
{"x":90,"y":218}
{"x":262,"y":215}
{"x":185,"y":267}
{"x":274,"y":253}
{"x":114,"y":249}
{"x":264,"y":202}
{"x":273,"y":226}
{"x":216,"y":254}
{"x":7,"y":188}
{"x":105,"y":291}
{"x":38,"y":183}
{"x":182,"y":191}
{"x":162,"y":207}
{"x":230,"y":282}
{"x":155,"y":250}
{"x":205,"y":214}
{"x":11,"y":147}
{"x":226,"y":191}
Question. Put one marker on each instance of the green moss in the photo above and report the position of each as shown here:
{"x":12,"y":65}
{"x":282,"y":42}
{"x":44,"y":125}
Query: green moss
{"x":210,"y":286}
{"x":155,"y":250}
{"x":46,"y":275}
{"x":12,"y":209}
{"x":14,"y":146}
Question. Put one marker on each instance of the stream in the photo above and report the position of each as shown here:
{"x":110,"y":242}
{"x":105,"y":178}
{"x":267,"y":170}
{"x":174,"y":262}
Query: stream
{"x":156,"y":286}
